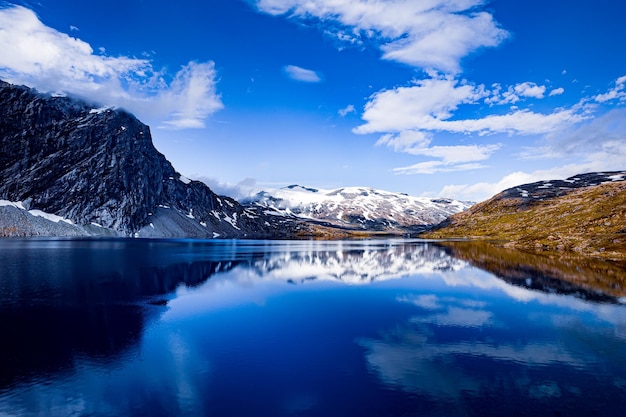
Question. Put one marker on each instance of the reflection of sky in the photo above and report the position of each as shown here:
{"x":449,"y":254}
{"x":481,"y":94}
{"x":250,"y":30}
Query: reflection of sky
{"x":260,"y":336}
{"x":445,"y":349}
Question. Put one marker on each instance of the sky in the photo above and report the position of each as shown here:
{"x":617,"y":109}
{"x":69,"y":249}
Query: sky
{"x":437,"y":98}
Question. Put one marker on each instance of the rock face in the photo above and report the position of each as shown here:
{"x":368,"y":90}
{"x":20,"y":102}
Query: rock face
{"x":584,"y":214}
{"x":98,"y":167}
{"x":359,"y":208}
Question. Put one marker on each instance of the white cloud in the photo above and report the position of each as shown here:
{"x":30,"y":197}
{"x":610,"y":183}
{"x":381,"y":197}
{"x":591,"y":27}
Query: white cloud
{"x":452,"y":158}
{"x":426,"y":34}
{"x":515,"y":93}
{"x":415,"y":107}
{"x":243,"y":189}
{"x":36,"y":55}
{"x":193,"y":95}
{"x":557,"y":91}
{"x":616,"y":92}
{"x":430,"y":104}
{"x":406,"y":140}
{"x":458,"y":153}
{"x":433,"y":167}
{"x":302,"y":74}
{"x":347,"y":110}
{"x":528,"y":89}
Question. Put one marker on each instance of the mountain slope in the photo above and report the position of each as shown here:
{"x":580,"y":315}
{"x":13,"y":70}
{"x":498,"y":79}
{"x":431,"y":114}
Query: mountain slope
{"x":99,"y":167}
{"x":359,"y":208}
{"x":585,"y":214}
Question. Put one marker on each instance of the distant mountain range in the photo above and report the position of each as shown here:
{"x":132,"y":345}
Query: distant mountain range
{"x":584,"y":214}
{"x":359,"y":208}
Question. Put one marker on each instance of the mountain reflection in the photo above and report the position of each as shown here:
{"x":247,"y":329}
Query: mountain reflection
{"x":552,"y":272}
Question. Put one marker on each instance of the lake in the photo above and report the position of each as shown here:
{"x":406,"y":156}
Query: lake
{"x":132,"y":327}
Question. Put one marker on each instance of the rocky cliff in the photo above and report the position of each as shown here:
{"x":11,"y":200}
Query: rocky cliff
{"x":96,"y":169}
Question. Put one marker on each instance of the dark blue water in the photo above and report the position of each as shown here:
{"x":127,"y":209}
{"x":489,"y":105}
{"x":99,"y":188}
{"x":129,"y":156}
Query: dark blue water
{"x":250,"y":328}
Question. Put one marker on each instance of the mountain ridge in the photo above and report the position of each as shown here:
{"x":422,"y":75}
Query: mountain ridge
{"x":358,"y":208}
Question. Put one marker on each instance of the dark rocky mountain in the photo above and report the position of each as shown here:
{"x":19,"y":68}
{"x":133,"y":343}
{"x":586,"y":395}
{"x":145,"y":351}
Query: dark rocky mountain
{"x":98,"y":170}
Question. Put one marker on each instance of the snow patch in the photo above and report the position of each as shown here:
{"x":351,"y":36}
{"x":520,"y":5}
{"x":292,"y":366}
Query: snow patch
{"x":51,"y":217}
{"x":184,"y":179}
{"x":17,"y":204}
{"x":100,"y":110}
{"x":232,"y":221}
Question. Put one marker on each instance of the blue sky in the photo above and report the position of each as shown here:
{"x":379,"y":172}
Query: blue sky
{"x":457,"y":98}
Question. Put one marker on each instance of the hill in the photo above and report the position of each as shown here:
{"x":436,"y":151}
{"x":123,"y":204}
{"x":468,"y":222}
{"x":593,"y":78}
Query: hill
{"x":585,"y":214}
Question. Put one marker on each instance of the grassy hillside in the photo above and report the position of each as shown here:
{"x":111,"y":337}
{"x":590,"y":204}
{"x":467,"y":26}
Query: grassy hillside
{"x":589,"y":221}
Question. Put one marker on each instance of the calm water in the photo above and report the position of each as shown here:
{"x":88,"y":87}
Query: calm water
{"x":251,"y":328}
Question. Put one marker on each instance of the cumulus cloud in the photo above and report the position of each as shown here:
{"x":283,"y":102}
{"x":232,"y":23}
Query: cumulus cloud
{"x":39,"y":56}
{"x":435,"y":34}
{"x":430,"y":104}
{"x":302,"y":74}
{"x":515,"y":93}
{"x":528,"y":89}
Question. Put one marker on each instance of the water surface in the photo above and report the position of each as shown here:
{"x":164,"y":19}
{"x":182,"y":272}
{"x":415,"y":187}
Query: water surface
{"x":259,"y":328}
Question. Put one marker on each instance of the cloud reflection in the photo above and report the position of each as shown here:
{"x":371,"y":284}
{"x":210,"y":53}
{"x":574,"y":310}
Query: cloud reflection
{"x":455,"y":347}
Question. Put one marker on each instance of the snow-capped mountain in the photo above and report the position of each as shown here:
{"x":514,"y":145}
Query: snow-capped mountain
{"x":359,"y":208}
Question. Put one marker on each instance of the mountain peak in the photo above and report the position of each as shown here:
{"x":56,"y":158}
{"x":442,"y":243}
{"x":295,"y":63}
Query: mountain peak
{"x":296,"y":187}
